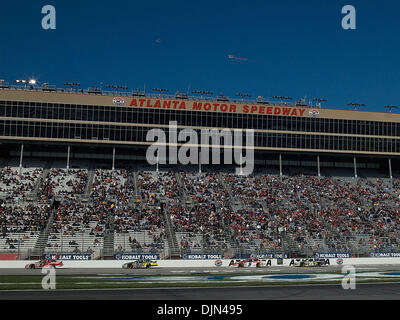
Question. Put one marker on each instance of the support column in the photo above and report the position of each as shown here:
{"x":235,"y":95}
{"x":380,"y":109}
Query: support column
{"x":318,"y":167}
{"x":355,"y":167}
{"x":69,"y":150}
{"x":21,"y":158}
{"x":113,"y":159}
{"x":280,"y":165}
{"x":390,"y":169}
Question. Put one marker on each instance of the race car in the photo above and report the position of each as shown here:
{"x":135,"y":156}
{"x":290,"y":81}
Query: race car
{"x":44,"y":263}
{"x":140,"y":264}
{"x":309,"y":263}
{"x":258,"y":263}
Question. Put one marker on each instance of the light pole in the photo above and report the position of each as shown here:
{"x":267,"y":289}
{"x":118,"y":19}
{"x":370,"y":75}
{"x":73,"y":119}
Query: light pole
{"x":318,"y":101}
{"x":116,"y":87}
{"x":72,"y":85}
{"x":31,"y":82}
{"x":160,"y":91}
{"x":243,"y":95}
{"x":203,"y":93}
{"x":282,"y":98}
{"x":356,"y":105}
{"x":391,"y":107}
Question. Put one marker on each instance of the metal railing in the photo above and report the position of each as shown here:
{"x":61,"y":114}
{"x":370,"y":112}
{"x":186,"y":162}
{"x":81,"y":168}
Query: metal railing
{"x":178,"y":96}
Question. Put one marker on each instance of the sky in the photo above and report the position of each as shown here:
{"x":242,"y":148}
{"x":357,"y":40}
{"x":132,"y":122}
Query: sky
{"x":293,"y":48}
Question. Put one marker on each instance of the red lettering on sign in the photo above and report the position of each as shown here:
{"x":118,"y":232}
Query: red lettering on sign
{"x":217,"y":107}
{"x":207,"y":106}
{"x":167,"y":104}
{"x":133,"y":103}
{"x":197,"y":105}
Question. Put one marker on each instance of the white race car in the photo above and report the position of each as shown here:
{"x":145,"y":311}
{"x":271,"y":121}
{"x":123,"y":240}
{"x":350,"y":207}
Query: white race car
{"x":257,"y":263}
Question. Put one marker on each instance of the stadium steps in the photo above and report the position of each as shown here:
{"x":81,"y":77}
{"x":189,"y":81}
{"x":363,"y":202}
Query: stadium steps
{"x":181,"y":185}
{"x":265,"y":207}
{"x":135,"y":181}
{"x":42,"y":240}
{"x":91,"y":174}
{"x":173,"y":246}
{"x":227,"y":188}
{"x":43,"y":177}
{"x":109,"y":238}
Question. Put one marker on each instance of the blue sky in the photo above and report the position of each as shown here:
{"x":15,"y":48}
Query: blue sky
{"x":294,"y":48}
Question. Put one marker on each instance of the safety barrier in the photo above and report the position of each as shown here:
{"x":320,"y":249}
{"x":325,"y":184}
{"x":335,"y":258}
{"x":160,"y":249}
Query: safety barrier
{"x":111,"y":264}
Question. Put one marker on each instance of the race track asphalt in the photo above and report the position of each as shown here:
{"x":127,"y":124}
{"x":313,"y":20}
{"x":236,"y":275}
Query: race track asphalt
{"x":178,"y":271}
{"x":371,"y":291}
{"x":377,"y":291}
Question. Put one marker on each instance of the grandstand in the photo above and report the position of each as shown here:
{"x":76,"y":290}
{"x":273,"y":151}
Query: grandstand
{"x":74,"y":179}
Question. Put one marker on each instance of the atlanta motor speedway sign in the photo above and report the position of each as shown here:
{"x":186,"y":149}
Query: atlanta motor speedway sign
{"x":217,"y":107}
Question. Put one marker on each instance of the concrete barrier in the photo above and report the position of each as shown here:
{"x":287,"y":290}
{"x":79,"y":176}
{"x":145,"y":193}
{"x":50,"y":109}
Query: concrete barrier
{"x":112,"y":264}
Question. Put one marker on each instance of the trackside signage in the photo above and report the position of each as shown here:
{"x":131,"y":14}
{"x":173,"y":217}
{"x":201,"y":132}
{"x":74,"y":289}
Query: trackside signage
{"x":385,"y":254}
{"x":74,"y":257}
{"x":137,"y":256}
{"x":262,"y":256}
{"x":210,"y":256}
{"x":333,"y":255}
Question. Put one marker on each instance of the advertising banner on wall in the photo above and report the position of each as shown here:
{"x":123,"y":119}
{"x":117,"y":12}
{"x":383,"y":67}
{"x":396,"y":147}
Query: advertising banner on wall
{"x":68,"y":256}
{"x":333,"y":255}
{"x":385,"y":254}
{"x":137,"y":256}
{"x":200,"y":256}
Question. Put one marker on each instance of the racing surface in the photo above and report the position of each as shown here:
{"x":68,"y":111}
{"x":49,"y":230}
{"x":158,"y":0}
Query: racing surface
{"x":363,"y":291}
{"x":216,"y":270}
{"x":385,"y":291}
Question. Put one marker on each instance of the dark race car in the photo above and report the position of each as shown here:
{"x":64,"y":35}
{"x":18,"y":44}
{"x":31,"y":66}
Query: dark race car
{"x":140,"y":264}
{"x":309,"y":262}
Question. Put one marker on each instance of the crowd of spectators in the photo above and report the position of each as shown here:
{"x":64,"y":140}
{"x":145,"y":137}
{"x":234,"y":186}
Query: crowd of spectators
{"x":207,"y":210}
{"x":18,"y":182}
{"x":66,"y":184}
